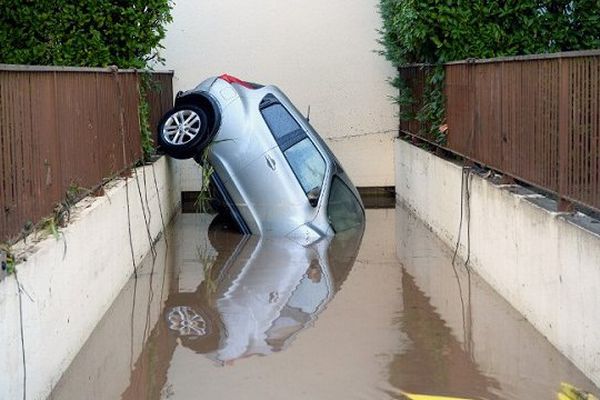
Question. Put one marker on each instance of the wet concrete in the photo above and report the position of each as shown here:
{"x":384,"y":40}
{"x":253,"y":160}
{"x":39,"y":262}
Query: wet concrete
{"x":220,"y":316}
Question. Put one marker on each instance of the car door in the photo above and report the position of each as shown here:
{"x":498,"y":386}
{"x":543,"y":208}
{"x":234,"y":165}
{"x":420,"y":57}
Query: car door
{"x":270,"y":198}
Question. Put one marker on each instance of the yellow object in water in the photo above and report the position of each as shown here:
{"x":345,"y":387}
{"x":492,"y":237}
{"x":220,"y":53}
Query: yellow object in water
{"x":570,"y":392}
{"x":428,"y":397}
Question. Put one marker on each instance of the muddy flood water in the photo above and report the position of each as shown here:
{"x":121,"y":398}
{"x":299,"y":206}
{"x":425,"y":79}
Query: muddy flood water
{"x":215,"y":315}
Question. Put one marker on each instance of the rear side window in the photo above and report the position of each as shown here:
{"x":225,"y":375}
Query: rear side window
{"x":344,"y":210}
{"x":307,"y":163}
{"x":284,"y":127}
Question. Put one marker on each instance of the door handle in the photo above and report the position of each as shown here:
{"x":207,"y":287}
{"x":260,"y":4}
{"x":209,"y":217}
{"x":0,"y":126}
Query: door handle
{"x":271,"y":162}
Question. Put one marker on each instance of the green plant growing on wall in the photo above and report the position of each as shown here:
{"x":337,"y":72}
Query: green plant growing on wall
{"x":74,"y":194}
{"x":145,"y":86}
{"x":435,"y":32}
{"x":48,"y":226}
{"x":404,"y":98}
{"x":7,"y":258}
{"x":59,"y":218}
{"x":202,"y":203}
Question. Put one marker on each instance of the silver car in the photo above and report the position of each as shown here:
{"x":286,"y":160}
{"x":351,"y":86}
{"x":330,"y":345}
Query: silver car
{"x":272,"y":170}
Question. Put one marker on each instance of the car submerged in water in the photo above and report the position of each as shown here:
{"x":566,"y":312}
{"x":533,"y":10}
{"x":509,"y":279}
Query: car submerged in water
{"x":273,"y":172}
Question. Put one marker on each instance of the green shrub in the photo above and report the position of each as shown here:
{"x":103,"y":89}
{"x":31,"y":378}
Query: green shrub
{"x":439,"y":31}
{"x":90,"y":33}
{"x":87,"y":33}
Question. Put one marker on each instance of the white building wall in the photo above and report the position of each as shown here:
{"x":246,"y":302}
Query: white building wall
{"x":320,"y":53}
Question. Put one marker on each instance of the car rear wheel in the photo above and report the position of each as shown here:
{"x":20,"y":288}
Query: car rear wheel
{"x":183,"y":131}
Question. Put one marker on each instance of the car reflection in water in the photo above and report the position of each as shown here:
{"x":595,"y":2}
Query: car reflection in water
{"x":260,"y":293}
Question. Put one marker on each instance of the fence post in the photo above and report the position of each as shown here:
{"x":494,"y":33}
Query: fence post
{"x":564,"y":154}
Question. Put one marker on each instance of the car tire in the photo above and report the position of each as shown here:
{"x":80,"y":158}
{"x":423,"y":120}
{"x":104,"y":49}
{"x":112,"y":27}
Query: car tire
{"x":183,"y":131}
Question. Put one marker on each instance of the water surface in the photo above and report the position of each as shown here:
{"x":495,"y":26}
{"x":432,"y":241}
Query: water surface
{"x":373,"y":316}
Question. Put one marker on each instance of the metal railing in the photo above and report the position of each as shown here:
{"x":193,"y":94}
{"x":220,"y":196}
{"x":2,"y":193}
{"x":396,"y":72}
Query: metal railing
{"x":63,"y":128}
{"x":533,"y":118}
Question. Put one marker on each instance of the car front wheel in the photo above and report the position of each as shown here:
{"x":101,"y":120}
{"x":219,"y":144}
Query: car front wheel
{"x":183,"y":131}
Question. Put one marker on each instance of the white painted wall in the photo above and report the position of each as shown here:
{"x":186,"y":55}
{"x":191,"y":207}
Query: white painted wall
{"x":504,"y":346}
{"x":68,"y":284}
{"x":320,"y":53}
{"x":102,"y":368}
{"x":545,"y":266}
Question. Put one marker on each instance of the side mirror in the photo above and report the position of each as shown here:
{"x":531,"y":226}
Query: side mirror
{"x":313,"y":196}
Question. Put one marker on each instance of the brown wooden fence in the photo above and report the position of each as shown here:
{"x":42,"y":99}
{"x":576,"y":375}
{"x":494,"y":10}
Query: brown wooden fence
{"x":534,"y":118}
{"x":62,"y":128}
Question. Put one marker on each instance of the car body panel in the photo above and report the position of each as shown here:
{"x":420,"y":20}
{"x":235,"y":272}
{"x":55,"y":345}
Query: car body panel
{"x":287,"y":202}
{"x":240,"y":139}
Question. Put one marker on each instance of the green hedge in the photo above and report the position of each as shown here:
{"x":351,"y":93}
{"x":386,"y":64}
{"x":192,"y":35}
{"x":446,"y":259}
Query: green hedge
{"x":439,"y":31}
{"x":89,"y":33}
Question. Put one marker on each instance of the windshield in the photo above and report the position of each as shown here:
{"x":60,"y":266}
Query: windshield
{"x":344,"y":209}
{"x":307,"y":163}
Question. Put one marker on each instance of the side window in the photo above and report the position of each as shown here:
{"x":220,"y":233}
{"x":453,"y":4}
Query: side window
{"x":344,"y":210}
{"x":283,"y":126}
{"x":307,"y":163}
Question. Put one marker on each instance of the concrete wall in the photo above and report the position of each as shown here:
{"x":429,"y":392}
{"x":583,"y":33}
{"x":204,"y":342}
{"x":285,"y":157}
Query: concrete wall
{"x":509,"y":351}
{"x":69,"y":283}
{"x":320,"y":53}
{"x":102,"y":369}
{"x":544,"y":264}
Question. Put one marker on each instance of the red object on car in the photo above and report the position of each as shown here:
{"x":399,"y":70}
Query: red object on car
{"x":232,"y":79}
